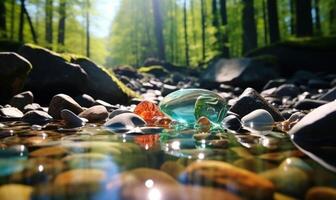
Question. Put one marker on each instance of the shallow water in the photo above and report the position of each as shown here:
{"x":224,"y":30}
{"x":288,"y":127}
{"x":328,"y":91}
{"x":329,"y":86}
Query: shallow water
{"x":55,"y":163}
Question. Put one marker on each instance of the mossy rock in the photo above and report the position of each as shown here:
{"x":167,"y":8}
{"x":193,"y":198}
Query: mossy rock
{"x":157,"y":70}
{"x":102,"y":83}
{"x":9,"y":45}
{"x":312,"y":54}
{"x":52,"y":74}
{"x":13,"y":73}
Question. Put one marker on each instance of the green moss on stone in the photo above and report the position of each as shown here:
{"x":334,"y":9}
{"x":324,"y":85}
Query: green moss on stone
{"x":153,"y":69}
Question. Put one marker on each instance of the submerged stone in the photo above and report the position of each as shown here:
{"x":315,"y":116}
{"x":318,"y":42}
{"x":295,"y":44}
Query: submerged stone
{"x":187,"y":105}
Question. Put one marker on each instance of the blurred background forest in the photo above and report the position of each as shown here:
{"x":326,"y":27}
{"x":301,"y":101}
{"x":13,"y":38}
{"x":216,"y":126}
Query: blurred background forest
{"x":182,"y":32}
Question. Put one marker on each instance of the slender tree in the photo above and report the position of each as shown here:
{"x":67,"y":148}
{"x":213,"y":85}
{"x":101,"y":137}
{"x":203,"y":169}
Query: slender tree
{"x":87,"y":16}
{"x":193,"y":22}
{"x":304,"y":24}
{"x":249,"y":26}
{"x":21,"y":25}
{"x":273,"y":20}
{"x":291,"y":5}
{"x":158,"y":28}
{"x":225,"y":38}
{"x":61,"y":23}
{"x":49,"y":22}
{"x":12,"y":17}
{"x":265,"y":20}
{"x":186,"y":41}
{"x":332,"y":18}
{"x":3,"y":30}
{"x":203,"y":17}
{"x":317,"y":19}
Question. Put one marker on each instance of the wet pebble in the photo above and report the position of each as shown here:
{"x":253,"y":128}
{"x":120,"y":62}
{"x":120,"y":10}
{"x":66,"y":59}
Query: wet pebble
{"x":21,"y":100}
{"x":125,"y":122}
{"x":10,"y":113}
{"x":259,"y":120}
{"x":95,"y":114}
{"x":118,"y":112}
{"x":85,"y":100}
{"x":60,"y":102}
{"x":37,"y":117}
{"x":232,"y":123}
{"x":308,"y":104}
{"x":71,"y":119}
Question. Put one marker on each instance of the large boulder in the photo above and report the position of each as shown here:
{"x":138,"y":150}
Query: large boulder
{"x":314,"y":134}
{"x":242,"y":72}
{"x":310,"y":54}
{"x":103,"y":84}
{"x":52,"y":74}
{"x":13,"y":72}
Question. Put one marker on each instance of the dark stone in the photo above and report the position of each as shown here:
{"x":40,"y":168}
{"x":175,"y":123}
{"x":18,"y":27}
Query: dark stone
{"x":37,"y":117}
{"x":118,"y":112}
{"x":287,"y":90}
{"x":95,"y":114}
{"x":71,"y":119}
{"x":232,"y":122}
{"x":314,"y":134}
{"x":318,"y":84}
{"x":85,"y":100}
{"x":21,"y":100}
{"x":314,"y":55}
{"x":274,"y":83}
{"x":167,"y":89}
{"x":127,"y":71}
{"x":10,"y":113}
{"x":52,"y":74}
{"x":308,"y":104}
{"x":329,"y":96}
{"x":108,"y":106}
{"x":242,"y":72}
{"x":13,"y":73}
{"x":251,"y":100}
{"x":60,"y":102}
{"x":103,"y":84}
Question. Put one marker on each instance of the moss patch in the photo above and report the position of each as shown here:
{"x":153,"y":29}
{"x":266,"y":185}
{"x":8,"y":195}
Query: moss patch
{"x":157,"y":69}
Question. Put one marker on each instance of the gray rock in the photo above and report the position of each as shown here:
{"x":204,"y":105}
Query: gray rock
{"x":259,"y":120}
{"x":287,"y":90}
{"x":118,"y":112}
{"x":33,"y":106}
{"x":21,"y":100}
{"x":274,"y":83}
{"x":13,"y":73}
{"x":60,"y":102}
{"x":85,"y":100}
{"x":329,"y":96}
{"x":10,"y":113}
{"x":95,"y":114}
{"x":125,"y":122}
{"x":71,"y":119}
{"x":232,"y":122}
{"x":314,"y":135}
{"x":37,"y":117}
{"x":242,"y":72}
{"x":308,"y":104}
{"x":249,"y":101}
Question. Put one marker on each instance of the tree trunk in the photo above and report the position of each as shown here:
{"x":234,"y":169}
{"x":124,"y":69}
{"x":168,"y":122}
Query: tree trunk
{"x":317,"y":17}
{"x":265,"y":22}
{"x":49,"y":22}
{"x":203,"y":13}
{"x":225,"y":40}
{"x":61,"y":23}
{"x":304,"y":24}
{"x":185,"y":23}
{"x":249,"y":26}
{"x":292,"y":16}
{"x":273,"y":20}
{"x":193,"y":23}
{"x":158,"y":29}
{"x":30,"y":23}
{"x":88,"y":53}
{"x":21,"y":25}
{"x":3,"y":30}
{"x":12,"y":20}
{"x":332,"y":18}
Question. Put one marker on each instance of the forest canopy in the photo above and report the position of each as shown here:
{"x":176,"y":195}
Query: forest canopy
{"x":182,"y":32}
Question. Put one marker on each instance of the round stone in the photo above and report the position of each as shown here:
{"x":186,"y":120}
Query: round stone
{"x":259,"y":120}
{"x":125,"y":122}
{"x":232,"y":123}
{"x":37,"y":117}
{"x":95,"y":114}
{"x":80,"y":176}
{"x":71,"y":119}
